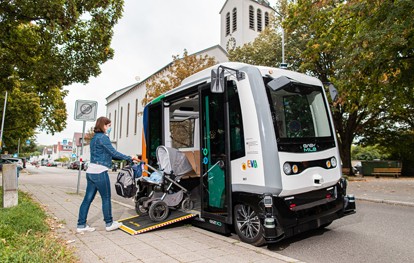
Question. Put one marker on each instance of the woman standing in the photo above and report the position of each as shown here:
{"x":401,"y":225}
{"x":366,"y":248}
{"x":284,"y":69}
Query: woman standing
{"x":102,"y":153}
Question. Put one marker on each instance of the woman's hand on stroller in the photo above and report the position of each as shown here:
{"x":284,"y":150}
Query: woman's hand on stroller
{"x":135,"y":159}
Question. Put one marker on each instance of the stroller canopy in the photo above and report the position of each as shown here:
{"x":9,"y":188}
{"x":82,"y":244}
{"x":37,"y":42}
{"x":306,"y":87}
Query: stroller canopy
{"x":171,"y":159}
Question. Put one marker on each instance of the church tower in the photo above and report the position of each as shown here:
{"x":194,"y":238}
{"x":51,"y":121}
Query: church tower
{"x":242,"y":21}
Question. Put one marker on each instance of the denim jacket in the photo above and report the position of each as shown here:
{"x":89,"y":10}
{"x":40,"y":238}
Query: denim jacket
{"x":102,"y":151}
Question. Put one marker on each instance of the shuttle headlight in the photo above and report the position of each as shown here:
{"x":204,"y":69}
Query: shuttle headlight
{"x":287,"y":168}
{"x":333,"y":162}
{"x":295,"y":169}
{"x":328,"y":164}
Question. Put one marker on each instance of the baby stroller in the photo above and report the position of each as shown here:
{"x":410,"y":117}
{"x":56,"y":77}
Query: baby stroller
{"x":166,"y":191}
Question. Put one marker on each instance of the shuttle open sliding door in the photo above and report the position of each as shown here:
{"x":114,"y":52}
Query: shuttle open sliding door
{"x":215,"y":161}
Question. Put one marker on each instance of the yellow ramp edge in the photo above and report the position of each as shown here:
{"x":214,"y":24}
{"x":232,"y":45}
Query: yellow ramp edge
{"x":140,"y":224}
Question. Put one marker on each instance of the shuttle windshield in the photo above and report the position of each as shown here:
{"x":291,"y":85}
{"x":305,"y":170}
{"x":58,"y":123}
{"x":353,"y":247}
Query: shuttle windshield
{"x":300,"y":118}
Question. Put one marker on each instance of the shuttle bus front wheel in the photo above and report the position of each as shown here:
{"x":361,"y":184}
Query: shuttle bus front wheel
{"x":247,"y":225}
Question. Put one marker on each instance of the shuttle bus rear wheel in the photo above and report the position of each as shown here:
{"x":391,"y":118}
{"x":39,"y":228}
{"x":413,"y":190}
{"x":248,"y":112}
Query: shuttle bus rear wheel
{"x":247,"y":225}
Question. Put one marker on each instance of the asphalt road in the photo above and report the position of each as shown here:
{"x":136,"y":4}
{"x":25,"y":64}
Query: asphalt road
{"x":376,"y":233}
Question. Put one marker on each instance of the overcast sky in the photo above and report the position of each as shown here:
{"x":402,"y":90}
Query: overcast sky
{"x":145,"y":39}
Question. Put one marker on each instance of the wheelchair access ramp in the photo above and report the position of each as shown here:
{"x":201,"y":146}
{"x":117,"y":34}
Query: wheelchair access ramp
{"x":140,"y":224}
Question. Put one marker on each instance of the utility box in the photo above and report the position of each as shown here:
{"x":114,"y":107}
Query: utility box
{"x":368,"y":166}
{"x":10,"y":193}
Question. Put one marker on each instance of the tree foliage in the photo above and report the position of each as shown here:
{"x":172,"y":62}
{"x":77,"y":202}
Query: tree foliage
{"x":174,"y":74}
{"x":89,"y":135}
{"x":265,"y":50}
{"x":366,"y":49}
{"x":369,"y":153}
{"x":45,"y":45}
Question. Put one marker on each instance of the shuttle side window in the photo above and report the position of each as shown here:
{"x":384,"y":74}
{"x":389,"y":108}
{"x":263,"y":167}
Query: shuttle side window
{"x":182,"y":133}
{"x":237,"y":149}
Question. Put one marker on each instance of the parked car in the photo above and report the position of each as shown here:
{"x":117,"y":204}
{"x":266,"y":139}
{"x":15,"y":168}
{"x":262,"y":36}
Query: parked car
{"x":85,"y":166}
{"x":114,"y":167}
{"x":50,"y":164}
{"x":75,"y":165}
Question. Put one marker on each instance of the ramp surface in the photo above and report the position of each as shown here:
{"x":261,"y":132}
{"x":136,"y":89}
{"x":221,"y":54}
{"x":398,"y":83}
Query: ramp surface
{"x":139,"y":224}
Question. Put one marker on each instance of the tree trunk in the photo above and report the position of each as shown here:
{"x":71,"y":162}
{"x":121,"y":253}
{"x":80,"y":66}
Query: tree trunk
{"x":345,"y":151}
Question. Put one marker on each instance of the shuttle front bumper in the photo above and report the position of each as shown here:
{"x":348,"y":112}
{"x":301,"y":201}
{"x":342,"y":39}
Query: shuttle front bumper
{"x":290,"y":216}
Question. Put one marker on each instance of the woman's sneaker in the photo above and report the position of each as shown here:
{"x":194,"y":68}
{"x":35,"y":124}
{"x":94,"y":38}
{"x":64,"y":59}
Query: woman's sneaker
{"x":115,"y":225}
{"x":87,"y":228}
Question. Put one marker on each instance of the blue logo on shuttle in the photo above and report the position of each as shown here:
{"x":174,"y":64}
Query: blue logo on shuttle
{"x":311,"y":147}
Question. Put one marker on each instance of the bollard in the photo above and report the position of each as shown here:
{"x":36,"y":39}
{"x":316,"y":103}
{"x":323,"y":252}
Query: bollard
{"x":10,"y":193}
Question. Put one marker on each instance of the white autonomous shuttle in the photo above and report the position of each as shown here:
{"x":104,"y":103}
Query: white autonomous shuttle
{"x":262,"y":146}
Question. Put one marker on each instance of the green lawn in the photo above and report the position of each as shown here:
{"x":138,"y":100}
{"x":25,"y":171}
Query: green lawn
{"x":25,"y":235}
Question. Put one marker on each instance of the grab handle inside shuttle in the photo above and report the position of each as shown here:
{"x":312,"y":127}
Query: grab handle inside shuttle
{"x":220,"y":163}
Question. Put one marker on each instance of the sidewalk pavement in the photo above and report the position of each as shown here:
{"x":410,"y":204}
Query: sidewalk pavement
{"x":176,"y":243}
{"x":396,"y":191}
{"x":182,"y":242}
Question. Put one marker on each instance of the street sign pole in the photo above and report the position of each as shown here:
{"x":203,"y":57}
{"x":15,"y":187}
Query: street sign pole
{"x":80,"y":157}
{"x":85,"y":110}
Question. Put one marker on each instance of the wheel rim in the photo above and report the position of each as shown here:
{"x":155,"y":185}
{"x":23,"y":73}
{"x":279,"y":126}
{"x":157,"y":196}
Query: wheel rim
{"x":159,"y":210}
{"x":187,"y":204}
{"x":140,"y":205}
{"x":247,"y":221}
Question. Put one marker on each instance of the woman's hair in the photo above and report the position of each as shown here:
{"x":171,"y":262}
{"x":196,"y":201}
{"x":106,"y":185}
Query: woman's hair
{"x":100,"y":124}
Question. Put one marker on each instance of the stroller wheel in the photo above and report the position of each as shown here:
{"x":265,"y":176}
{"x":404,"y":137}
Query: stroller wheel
{"x":158,"y":211}
{"x":187,"y":204}
{"x":140,"y":207}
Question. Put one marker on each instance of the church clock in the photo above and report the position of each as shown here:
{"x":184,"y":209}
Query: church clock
{"x":231,"y":44}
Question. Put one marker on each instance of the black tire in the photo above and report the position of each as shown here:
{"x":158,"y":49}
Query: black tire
{"x":325,"y":225}
{"x":158,"y":211}
{"x":187,"y":204}
{"x":139,"y":206}
{"x":247,"y":225}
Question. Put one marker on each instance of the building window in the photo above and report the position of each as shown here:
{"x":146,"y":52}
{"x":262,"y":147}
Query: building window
{"x":228,"y":24}
{"x":259,"y":20}
{"x":114,"y":126}
{"x":251,"y":17}
{"x":120,"y":123}
{"x":136,"y":116}
{"x":266,"y":19}
{"x":127,"y":128}
{"x":234,"y":19}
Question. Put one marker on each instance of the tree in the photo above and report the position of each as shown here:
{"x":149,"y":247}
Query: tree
{"x":369,"y":153}
{"x":265,"y":50}
{"x":89,"y":135}
{"x":44,"y":46}
{"x":174,"y":74}
{"x":366,"y":49}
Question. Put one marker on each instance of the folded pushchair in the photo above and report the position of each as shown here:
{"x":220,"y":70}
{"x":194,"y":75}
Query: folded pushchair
{"x":166,"y":191}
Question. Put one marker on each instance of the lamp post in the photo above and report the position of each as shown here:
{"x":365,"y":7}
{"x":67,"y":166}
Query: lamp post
{"x":2,"y":122}
{"x":283,"y":64}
